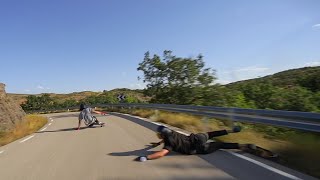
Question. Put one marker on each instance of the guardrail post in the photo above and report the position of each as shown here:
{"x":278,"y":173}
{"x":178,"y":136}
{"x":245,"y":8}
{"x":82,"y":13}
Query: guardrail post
{"x":156,"y":113}
{"x":205,"y":121}
{"x":231,"y":122}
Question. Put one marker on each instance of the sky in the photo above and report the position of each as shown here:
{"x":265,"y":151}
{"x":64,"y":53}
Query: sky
{"x":65,"y":46}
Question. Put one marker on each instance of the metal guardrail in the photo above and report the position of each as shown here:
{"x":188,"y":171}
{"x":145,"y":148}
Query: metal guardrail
{"x":289,"y":119}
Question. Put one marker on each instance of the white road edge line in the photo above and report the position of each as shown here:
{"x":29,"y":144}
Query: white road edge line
{"x":155,"y":123}
{"x":27,"y":139}
{"x":49,"y":124}
{"x":264,"y":166}
{"x":44,"y":129}
{"x":1,"y":152}
{"x":51,"y":120}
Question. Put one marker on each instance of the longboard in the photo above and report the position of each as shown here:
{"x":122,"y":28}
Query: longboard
{"x":264,"y":153}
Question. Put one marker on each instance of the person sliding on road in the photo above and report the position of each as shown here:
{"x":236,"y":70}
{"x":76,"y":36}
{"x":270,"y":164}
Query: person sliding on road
{"x":193,"y":144}
{"x":89,"y":119}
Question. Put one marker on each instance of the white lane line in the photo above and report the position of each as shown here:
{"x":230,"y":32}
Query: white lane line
{"x":51,"y":120}
{"x":44,"y":129}
{"x":1,"y":152}
{"x":49,"y":124}
{"x":27,"y":139}
{"x":155,"y":123}
{"x":264,"y":166}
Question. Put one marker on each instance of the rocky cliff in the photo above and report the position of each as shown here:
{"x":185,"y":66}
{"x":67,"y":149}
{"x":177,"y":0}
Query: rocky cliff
{"x":10,"y":112}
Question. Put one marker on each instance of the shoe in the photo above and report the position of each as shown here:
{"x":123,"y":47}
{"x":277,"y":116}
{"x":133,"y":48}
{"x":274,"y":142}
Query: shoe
{"x":236,"y":129}
{"x":250,"y":148}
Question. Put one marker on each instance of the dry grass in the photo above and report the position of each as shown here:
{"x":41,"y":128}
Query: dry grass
{"x":183,"y":121}
{"x":251,"y":136}
{"x":143,"y":113}
{"x":31,"y":124}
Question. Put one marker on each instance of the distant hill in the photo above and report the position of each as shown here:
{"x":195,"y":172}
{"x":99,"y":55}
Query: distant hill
{"x":307,"y":77}
{"x":295,"y":89}
{"x":78,"y":96}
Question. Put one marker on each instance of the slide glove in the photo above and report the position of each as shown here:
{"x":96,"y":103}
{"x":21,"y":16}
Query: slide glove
{"x":141,"y":158}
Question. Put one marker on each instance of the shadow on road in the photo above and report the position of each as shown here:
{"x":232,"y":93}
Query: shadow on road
{"x":139,"y":152}
{"x":68,"y":129}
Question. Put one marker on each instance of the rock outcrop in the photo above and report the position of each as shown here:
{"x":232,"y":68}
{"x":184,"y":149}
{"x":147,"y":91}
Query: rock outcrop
{"x":10,"y":112}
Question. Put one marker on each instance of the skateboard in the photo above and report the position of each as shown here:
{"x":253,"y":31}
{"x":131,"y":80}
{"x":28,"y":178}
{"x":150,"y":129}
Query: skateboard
{"x":264,"y":153}
{"x":96,"y":122}
{"x":102,"y":124}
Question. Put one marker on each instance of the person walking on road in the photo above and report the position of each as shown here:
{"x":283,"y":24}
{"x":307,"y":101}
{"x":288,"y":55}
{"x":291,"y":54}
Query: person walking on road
{"x":192,"y":144}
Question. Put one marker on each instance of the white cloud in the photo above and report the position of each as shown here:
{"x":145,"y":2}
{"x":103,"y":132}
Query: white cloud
{"x":223,"y":81}
{"x":124,"y":74}
{"x":137,"y":86}
{"x":314,"y":63}
{"x":40,"y":87}
{"x":316,"y":26}
{"x":27,"y":90}
{"x":242,"y":73}
{"x":252,"y":69}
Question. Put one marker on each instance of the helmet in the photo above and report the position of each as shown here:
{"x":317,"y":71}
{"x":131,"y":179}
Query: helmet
{"x":164,"y":131}
{"x":82,"y":107}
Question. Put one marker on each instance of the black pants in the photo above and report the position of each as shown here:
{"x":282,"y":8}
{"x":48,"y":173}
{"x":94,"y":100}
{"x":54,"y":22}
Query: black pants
{"x":202,"y":147}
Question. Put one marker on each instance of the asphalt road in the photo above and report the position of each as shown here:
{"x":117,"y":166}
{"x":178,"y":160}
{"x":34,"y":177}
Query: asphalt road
{"x":59,"y":152}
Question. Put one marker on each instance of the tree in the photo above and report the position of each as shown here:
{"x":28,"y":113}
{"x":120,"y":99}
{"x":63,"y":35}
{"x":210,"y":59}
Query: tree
{"x":174,"y":79}
{"x":259,"y":92}
{"x":292,"y":99}
{"x":42,"y":102}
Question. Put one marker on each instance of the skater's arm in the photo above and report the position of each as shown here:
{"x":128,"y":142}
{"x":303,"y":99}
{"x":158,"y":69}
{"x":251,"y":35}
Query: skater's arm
{"x":79,"y":124}
{"x":158,"y":154}
{"x":99,"y":112}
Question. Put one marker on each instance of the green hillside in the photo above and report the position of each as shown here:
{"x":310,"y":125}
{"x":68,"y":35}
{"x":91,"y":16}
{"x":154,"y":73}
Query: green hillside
{"x":293,"y":90}
{"x":307,"y":77}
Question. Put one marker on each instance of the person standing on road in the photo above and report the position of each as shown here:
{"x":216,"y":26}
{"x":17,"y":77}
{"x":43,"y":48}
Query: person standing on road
{"x":86,"y":115}
{"x":192,"y":144}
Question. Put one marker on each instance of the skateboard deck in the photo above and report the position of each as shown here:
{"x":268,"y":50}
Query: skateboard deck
{"x":264,"y":153}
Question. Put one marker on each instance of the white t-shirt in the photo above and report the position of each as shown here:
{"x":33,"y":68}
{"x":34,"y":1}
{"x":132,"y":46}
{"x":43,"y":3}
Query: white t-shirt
{"x":86,"y":115}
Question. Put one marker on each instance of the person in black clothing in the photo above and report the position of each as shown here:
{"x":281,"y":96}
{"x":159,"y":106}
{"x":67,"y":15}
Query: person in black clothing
{"x":193,"y":144}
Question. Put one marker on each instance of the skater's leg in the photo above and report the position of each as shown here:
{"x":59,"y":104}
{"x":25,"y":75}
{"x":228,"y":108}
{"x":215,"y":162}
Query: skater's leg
{"x":247,"y":147}
{"x":214,"y":146}
{"x":201,"y":138}
{"x":217,"y":133}
{"x":235,"y":129}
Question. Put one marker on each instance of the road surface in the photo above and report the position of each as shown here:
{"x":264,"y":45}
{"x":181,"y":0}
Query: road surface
{"x":58,"y":152}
